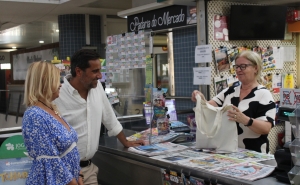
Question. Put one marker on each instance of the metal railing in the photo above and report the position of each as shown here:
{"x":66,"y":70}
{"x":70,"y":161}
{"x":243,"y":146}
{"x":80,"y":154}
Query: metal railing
{"x":12,"y":103}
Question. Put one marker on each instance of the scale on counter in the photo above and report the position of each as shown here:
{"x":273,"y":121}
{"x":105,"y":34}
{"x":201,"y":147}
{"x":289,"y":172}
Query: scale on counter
{"x":283,"y":115}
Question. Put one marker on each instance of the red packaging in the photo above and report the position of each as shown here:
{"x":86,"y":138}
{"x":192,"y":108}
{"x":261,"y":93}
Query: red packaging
{"x":293,"y":16}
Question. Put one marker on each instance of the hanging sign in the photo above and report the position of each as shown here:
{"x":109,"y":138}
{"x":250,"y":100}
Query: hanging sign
{"x":4,"y":57}
{"x":169,"y":17}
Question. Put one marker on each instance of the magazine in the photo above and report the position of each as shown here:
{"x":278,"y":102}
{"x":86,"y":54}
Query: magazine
{"x":248,"y":171}
{"x":171,"y":109}
{"x":221,"y":59}
{"x":191,"y":123}
{"x":157,"y":149}
{"x":170,"y":177}
{"x":194,"y":181}
{"x":155,"y":138}
{"x":220,"y":84}
{"x":210,"y":162}
{"x":232,"y":53}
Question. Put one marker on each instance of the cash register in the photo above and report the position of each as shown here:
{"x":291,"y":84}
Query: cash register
{"x":283,"y":156}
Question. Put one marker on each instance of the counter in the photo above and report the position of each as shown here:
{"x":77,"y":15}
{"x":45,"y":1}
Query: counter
{"x":118,"y":166}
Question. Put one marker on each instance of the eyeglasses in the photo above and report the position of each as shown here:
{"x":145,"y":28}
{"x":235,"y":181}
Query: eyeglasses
{"x":242,"y":66}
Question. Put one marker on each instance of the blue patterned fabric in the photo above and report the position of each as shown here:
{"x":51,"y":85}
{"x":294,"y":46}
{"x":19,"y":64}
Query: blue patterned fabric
{"x":46,"y":140}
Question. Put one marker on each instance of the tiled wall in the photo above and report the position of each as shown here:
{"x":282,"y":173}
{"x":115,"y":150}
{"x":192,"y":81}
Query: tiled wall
{"x":71,"y":33}
{"x":184,"y":42}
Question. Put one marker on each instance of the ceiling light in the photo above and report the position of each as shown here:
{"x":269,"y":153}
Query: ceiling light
{"x":41,"y":41}
{"x":57,"y":30}
{"x":14,"y":47}
{"x":39,"y":1}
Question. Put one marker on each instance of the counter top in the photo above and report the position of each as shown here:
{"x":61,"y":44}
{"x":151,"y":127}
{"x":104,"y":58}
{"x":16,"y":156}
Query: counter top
{"x":113,"y":146}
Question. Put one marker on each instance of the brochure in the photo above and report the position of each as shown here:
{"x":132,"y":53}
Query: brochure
{"x":248,"y":171}
{"x":157,"y":149}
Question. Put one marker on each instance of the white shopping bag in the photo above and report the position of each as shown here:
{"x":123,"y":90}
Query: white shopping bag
{"x":214,"y":130}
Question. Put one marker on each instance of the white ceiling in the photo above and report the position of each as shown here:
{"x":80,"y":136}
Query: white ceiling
{"x":24,"y":24}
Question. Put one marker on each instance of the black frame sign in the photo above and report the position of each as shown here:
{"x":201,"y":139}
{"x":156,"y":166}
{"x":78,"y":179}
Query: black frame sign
{"x":164,"y":18}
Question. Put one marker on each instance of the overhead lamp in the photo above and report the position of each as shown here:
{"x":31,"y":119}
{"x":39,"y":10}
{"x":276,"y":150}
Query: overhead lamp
{"x":41,"y":41}
{"x":57,"y":30}
{"x":14,"y":47}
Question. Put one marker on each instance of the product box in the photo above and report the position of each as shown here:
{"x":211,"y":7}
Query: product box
{"x":293,"y":16}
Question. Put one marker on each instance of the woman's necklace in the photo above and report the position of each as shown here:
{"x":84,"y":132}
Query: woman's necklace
{"x":55,"y":112}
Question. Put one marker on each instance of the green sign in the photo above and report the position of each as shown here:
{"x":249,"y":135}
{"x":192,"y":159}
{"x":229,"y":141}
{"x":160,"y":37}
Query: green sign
{"x":13,"y":147}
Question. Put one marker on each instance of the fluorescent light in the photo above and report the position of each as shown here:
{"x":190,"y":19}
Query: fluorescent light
{"x":57,"y":30}
{"x":41,"y":41}
{"x":5,"y":66}
{"x":14,"y":47}
{"x":39,"y":1}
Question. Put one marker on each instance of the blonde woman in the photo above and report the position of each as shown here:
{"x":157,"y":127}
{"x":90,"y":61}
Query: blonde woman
{"x":253,"y":105}
{"x":49,"y":139}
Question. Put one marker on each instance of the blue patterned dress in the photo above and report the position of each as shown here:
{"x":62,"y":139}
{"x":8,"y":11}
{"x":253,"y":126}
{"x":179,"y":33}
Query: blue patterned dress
{"x":52,"y":147}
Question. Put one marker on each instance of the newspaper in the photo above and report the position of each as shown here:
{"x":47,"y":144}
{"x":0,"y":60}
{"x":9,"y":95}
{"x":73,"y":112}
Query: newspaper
{"x":248,"y":171}
{"x":211,"y":162}
{"x":157,"y":149}
{"x":249,"y":155}
{"x":174,"y":158}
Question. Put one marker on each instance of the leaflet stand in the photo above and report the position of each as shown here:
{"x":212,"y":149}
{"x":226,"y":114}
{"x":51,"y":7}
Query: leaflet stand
{"x":294,"y":173}
{"x":159,"y":120}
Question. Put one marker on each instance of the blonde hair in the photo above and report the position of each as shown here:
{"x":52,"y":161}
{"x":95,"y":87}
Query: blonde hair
{"x":42,"y":80}
{"x":255,"y":59}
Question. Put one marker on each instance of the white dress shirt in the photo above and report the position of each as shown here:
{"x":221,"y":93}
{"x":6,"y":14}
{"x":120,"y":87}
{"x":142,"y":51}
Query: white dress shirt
{"x":86,"y":116}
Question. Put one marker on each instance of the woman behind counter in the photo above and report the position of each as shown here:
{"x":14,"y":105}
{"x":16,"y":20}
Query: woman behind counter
{"x":49,"y":139}
{"x":253,"y":105}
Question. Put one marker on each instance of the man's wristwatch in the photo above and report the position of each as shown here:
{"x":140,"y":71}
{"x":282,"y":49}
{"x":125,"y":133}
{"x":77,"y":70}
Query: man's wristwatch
{"x":250,"y":122}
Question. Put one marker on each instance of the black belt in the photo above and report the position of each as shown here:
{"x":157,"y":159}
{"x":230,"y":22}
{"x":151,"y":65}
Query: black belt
{"x":85,"y":163}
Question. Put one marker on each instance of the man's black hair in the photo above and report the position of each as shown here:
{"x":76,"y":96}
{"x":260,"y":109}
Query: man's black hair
{"x":81,"y":59}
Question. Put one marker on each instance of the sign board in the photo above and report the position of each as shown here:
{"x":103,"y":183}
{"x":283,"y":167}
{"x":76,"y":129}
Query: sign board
{"x":22,"y":61}
{"x":289,"y":97}
{"x":4,"y":57}
{"x":14,"y":165}
{"x":164,"y":18}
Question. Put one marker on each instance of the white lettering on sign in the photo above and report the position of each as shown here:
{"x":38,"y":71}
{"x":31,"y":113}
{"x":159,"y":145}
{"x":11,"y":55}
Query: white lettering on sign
{"x":166,"y":19}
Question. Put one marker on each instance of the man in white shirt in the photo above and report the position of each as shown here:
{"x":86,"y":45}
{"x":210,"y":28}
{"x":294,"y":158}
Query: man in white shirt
{"x":83,"y":103}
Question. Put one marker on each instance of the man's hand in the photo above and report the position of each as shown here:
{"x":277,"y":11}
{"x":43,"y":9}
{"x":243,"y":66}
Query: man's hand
{"x":134,"y":143}
{"x":126,"y":143}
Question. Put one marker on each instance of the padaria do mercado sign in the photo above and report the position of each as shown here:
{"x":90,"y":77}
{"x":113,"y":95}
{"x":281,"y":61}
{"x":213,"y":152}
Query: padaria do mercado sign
{"x":169,"y":17}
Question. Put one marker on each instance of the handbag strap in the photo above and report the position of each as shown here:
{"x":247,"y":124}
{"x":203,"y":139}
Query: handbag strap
{"x":203,"y":126}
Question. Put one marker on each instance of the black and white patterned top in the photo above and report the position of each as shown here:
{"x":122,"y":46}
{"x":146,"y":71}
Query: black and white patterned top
{"x":258,"y":104}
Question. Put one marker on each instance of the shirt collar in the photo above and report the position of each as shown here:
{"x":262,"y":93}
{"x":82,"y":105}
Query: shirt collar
{"x":70,"y":88}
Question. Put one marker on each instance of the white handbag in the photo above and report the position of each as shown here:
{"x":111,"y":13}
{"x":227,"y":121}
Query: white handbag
{"x":214,"y":130}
